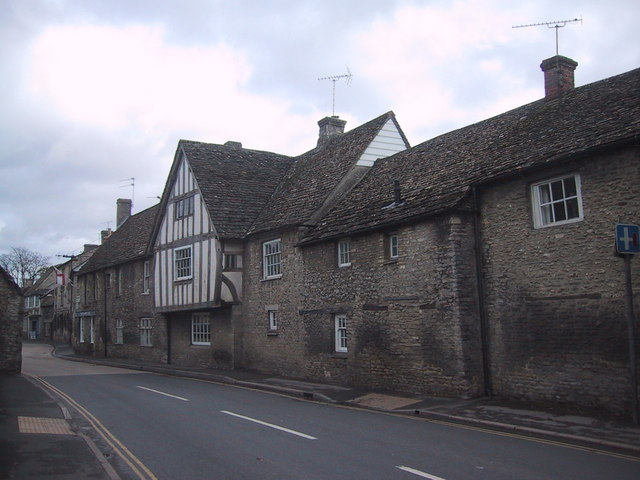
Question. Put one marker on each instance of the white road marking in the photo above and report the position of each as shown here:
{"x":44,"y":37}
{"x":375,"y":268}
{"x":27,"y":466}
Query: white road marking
{"x":419,"y":473}
{"x":165,"y":394}
{"x":271,"y":425}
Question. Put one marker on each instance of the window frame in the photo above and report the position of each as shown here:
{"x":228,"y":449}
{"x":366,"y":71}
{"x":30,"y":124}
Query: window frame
{"x":184,"y":207}
{"x":272,"y":269}
{"x":145,"y":327}
{"x":393,"y":246}
{"x":272,"y":319}
{"x":203,"y":334}
{"x":538,"y":204}
{"x":119,"y":332}
{"x":340,"y":333}
{"x":177,"y":268}
{"x":146,"y":277}
{"x":344,"y":254}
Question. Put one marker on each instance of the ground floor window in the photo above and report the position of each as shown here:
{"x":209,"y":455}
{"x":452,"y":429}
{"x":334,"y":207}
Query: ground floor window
{"x":119,"y":331}
{"x":86,"y":330}
{"x":146,"y":329}
{"x":200,"y":329}
{"x":341,"y":333}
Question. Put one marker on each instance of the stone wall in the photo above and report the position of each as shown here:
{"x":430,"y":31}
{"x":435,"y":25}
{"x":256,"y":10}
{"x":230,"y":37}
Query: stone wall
{"x":412,"y":323}
{"x":11,"y":313}
{"x":555,"y":295}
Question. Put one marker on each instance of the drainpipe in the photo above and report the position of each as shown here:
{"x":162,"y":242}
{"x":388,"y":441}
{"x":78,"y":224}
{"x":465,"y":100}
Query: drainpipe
{"x":104,"y":317}
{"x":484,"y":327}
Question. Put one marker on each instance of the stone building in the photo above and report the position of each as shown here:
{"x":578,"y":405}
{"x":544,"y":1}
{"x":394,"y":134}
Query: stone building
{"x":490,"y":269}
{"x":114,"y":314}
{"x":479,"y":262}
{"x":11,"y":312}
{"x":65,"y":293}
{"x":38,"y":308}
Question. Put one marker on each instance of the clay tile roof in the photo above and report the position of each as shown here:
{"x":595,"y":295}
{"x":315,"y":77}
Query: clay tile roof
{"x":315,"y":174}
{"x":437,"y":174}
{"x":128,"y":243}
{"x":236,"y":183}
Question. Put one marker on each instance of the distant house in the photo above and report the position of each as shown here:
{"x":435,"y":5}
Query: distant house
{"x":11,"y":311}
{"x":65,"y":293}
{"x":114,"y":313}
{"x":38,"y":306}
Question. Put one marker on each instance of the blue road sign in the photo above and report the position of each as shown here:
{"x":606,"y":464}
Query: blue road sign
{"x":627,"y":238}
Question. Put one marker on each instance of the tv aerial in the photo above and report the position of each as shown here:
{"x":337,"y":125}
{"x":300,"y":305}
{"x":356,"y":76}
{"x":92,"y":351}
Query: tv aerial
{"x":334,"y":78}
{"x":557,"y":24}
{"x":131,"y":182}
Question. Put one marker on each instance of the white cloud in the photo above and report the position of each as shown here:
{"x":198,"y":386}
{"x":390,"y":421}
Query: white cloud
{"x":129,"y":78}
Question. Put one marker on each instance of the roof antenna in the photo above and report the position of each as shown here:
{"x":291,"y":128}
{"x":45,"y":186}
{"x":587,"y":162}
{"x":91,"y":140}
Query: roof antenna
{"x":334,"y":79}
{"x":557,"y":24}
{"x":132,"y":185}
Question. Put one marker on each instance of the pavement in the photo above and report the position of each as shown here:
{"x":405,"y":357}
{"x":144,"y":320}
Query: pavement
{"x":70,"y":454}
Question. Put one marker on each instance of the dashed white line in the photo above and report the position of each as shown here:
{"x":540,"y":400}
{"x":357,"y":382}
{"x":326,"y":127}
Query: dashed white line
{"x":271,"y":425}
{"x":165,"y":394}
{"x":419,"y":473}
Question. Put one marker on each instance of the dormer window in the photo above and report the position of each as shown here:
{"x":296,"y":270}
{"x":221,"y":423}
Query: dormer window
{"x":184,"y":207}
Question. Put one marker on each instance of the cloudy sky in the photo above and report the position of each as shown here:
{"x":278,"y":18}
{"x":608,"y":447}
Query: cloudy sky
{"x":96,"y":92}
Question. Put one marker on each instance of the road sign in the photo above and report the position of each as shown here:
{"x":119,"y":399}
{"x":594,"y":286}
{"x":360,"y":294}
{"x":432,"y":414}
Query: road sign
{"x":627,"y":238}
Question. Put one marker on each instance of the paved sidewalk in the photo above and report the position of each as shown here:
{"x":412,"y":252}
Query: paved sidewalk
{"x":490,"y":413}
{"x":37,"y":441}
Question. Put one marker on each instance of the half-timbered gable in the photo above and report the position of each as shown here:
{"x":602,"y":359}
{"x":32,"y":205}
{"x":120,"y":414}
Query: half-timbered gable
{"x":212,"y":196}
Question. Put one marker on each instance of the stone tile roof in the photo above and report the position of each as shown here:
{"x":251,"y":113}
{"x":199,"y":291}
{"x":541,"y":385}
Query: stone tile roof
{"x":129,"y":242}
{"x":315,"y":175}
{"x":8,"y":279}
{"x":236,"y":183}
{"x":438,"y":174}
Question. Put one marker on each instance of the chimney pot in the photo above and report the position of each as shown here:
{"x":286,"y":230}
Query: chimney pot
{"x":123,"y":211}
{"x":558,"y":75}
{"x":329,"y":127}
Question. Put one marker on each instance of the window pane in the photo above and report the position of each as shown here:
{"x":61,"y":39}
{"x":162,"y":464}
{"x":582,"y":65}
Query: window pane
{"x":545,"y":194}
{"x":557,"y":190}
{"x":559,"y":211}
{"x":570,"y":187}
{"x":572,"y":208}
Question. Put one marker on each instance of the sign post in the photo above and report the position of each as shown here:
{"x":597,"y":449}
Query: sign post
{"x":628,"y":244}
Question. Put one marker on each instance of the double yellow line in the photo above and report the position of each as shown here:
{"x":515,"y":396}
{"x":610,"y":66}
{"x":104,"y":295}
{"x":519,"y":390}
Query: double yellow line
{"x":139,"y":468}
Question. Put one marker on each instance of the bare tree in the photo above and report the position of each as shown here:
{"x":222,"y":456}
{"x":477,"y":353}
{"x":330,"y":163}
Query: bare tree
{"x":23,"y":264}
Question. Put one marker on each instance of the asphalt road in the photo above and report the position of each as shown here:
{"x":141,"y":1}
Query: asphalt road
{"x":153,"y":426}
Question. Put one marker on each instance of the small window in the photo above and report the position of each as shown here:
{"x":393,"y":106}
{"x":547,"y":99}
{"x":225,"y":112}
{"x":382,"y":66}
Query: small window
{"x":393,"y":245}
{"x":200,"y":329}
{"x":344,"y":253}
{"x":341,"y":333}
{"x":146,"y":329}
{"x":557,"y":201}
{"x":273,"y":319}
{"x":119,"y":281}
{"x":232,"y":261}
{"x":81,"y":330}
{"x":182,"y":259}
{"x":119,"y":332}
{"x":146,"y":277}
{"x":271,"y":257}
{"x":184,"y":207}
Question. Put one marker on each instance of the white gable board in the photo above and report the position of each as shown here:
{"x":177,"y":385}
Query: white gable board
{"x":388,"y":142}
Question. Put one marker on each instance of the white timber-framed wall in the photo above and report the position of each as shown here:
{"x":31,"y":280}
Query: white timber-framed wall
{"x":194,"y":230}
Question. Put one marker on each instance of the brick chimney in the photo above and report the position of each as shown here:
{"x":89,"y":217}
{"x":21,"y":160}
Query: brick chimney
{"x":330,"y":126}
{"x":558,"y":75}
{"x":123,"y":211}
